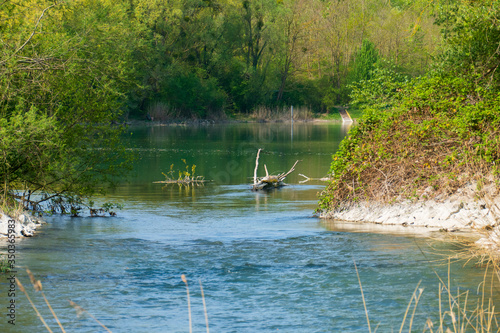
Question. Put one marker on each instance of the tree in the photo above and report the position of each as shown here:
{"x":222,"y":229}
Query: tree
{"x":64,"y":68}
{"x":364,"y":62}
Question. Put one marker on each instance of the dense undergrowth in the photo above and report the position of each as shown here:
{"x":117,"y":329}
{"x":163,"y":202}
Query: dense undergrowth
{"x":430,"y":136}
{"x":442,"y":133}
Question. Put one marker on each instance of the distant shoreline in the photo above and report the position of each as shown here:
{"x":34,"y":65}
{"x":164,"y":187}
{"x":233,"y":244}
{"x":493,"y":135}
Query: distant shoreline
{"x":141,"y":122}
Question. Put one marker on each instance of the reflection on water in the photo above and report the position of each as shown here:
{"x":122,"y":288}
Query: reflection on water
{"x":226,"y":154}
{"x":265,"y":262}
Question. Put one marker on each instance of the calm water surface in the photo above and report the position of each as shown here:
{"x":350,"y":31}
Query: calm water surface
{"x":265,"y":263}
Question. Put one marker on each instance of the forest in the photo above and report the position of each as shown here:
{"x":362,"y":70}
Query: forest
{"x":199,"y":59}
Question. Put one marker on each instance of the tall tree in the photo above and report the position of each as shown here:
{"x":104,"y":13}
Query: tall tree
{"x":64,"y":68}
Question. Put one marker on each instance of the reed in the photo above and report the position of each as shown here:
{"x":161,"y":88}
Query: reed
{"x":161,"y":111}
{"x":267,"y":114}
{"x":183,"y":277}
{"x":80,"y":310}
{"x":21,"y":287}
{"x":459,"y":312}
{"x":204,"y":307}
{"x":37,"y":285}
{"x":363,"y":297}
{"x":415,"y":296}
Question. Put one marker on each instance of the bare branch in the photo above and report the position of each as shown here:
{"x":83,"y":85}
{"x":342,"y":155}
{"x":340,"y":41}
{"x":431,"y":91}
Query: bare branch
{"x":34,"y":30}
{"x":256,"y":166}
{"x":283,"y":176}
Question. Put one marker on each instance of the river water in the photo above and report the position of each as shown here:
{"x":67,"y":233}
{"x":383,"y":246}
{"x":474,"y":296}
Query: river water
{"x":264,"y":261}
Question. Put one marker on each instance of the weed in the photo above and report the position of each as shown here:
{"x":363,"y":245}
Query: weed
{"x":5,"y":266}
{"x":182,"y":177}
{"x":458,"y":312}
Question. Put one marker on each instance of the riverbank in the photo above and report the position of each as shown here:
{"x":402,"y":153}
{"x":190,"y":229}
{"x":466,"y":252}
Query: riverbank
{"x":24,"y":225}
{"x":256,"y":117}
{"x":194,"y":122}
{"x":461,"y":212}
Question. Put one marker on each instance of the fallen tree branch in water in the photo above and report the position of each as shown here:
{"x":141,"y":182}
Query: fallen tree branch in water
{"x":324,"y":179}
{"x":269,"y":181}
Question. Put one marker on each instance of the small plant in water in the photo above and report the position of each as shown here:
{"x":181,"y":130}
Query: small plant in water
{"x":185,"y":176}
{"x":5,"y":267}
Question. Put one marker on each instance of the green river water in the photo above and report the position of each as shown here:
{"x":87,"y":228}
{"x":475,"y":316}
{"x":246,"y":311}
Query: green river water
{"x":265,"y":261}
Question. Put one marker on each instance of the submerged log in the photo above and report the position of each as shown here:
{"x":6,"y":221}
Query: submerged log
{"x":269,"y":181}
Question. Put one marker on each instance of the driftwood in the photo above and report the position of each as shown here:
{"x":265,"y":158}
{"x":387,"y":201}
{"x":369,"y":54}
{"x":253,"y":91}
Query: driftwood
{"x":269,"y":181}
{"x":324,"y":179}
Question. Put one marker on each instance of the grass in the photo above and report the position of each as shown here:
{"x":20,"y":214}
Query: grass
{"x":37,"y":285}
{"x":334,"y":115}
{"x":11,"y":207}
{"x":182,"y":177}
{"x":355,"y":113}
{"x":459,"y":311}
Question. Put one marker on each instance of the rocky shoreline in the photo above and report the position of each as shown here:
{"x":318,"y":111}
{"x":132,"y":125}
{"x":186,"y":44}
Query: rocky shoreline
{"x":24,"y":225}
{"x":464,"y":213}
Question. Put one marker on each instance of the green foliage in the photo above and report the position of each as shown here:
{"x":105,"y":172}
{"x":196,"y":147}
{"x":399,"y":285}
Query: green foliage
{"x":193,"y":95}
{"x":442,"y":132}
{"x":5,"y":266}
{"x":439,"y":132}
{"x":380,"y":91}
{"x":68,"y":70}
{"x":364,"y":62}
{"x":61,"y":89}
{"x":203,"y":58}
{"x":470,"y":30}
{"x":186,"y":176}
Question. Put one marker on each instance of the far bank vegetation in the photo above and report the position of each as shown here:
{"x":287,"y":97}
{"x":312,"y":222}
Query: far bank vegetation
{"x":430,"y":136}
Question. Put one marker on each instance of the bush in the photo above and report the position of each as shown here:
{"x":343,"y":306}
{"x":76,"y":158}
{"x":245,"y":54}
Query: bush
{"x":442,"y":132}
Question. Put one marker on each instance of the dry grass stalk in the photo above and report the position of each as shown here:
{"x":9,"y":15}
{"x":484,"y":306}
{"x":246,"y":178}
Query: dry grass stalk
{"x":37,"y":284}
{"x":481,"y":318}
{"x":417,"y":298}
{"x":80,"y":310}
{"x":160,"y":111}
{"x":457,"y":311}
{"x":204,"y":306}
{"x":21,"y":287}
{"x":183,"y":278}
{"x":363,"y":296}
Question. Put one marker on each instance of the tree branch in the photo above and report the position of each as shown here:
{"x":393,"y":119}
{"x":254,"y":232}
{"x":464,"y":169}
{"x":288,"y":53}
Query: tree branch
{"x":34,"y":30}
{"x":256,"y":166}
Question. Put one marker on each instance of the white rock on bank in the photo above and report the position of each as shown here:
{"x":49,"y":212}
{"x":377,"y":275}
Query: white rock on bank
{"x":25,"y":225}
{"x":451,"y":214}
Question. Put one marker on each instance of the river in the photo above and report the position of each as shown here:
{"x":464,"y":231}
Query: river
{"x":265,"y":262}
